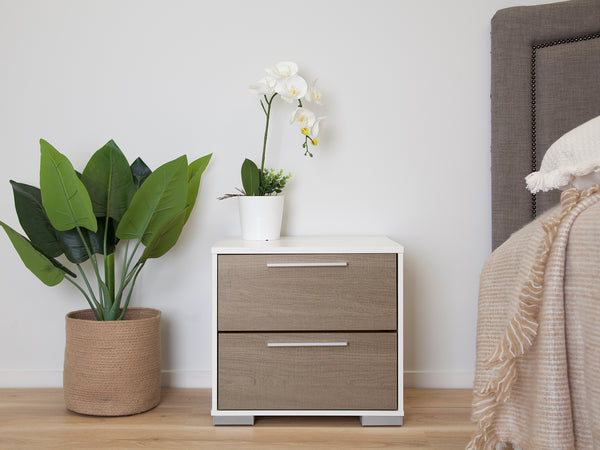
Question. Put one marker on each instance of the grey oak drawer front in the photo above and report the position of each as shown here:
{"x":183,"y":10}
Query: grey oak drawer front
{"x":306,"y":371}
{"x":293,"y":292}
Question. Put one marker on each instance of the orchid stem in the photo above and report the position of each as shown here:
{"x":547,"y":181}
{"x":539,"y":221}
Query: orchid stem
{"x":268,"y":113}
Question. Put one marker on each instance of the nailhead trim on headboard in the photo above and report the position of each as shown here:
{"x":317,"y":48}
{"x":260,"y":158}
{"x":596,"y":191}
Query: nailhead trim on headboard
{"x":534,"y":49}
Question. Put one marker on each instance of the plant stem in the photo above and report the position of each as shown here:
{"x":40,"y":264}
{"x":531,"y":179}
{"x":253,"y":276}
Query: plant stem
{"x":92,"y":296}
{"x":130,"y":274}
{"x":263,"y":107}
{"x":86,"y":297}
{"x":126,"y":275}
{"x":109,"y":275}
{"x":138,"y":268}
{"x":123,"y":273}
{"x":87,"y":283}
{"x":109,"y":264}
{"x":131,"y":257}
{"x":94,"y":265}
{"x":268,"y":114}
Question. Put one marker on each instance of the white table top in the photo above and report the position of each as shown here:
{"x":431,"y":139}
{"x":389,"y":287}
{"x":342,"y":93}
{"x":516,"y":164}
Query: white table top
{"x":310,"y":244}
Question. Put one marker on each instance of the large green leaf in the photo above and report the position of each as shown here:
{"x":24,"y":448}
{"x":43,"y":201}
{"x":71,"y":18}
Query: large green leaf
{"x":96,"y":239}
{"x":65,"y":199}
{"x":140,"y":172}
{"x":35,"y":261}
{"x":165,"y":236}
{"x":162,"y":195}
{"x":195,"y":171}
{"x":72,"y":245}
{"x":109,"y":181}
{"x":58,"y":265}
{"x":33,"y":219}
{"x":250,"y":177}
{"x":74,"y":248}
{"x":51,"y":242}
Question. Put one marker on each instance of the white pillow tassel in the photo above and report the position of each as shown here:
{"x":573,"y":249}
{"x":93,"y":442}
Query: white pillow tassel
{"x":538,"y":181}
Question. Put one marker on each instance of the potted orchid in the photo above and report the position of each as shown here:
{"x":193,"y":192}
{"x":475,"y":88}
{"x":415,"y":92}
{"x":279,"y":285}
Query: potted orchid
{"x":261,"y":208}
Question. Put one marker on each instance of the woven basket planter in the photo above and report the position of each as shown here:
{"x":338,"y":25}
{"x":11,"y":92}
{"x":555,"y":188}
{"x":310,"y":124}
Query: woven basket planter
{"x":112,"y":368}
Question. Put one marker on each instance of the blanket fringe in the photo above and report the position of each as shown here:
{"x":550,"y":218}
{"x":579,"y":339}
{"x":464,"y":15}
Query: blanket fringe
{"x":520,"y":331}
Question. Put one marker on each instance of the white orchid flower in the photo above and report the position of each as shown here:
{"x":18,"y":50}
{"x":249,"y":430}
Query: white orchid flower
{"x":314,"y":94}
{"x":264,"y":86}
{"x":314,"y":130}
{"x":305,"y":117}
{"x":292,"y":88}
{"x":283,"y":69}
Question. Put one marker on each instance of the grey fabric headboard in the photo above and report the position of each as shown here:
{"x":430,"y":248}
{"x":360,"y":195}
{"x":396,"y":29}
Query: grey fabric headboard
{"x":545,"y":81}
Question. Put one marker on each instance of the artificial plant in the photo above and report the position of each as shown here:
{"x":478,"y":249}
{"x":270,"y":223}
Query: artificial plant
{"x":87,"y":216}
{"x":281,"y":80}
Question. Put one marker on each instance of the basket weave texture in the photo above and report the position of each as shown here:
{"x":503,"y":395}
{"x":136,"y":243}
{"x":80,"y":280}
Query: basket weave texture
{"x":112,"y":368}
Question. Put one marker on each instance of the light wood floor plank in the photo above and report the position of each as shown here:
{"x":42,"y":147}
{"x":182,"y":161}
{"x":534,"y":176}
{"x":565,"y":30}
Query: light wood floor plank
{"x":38,"y":419}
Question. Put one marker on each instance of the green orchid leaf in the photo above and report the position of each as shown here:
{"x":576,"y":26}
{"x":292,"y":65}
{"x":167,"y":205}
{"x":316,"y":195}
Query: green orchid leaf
{"x":34,"y":260}
{"x":140,"y":172}
{"x":65,"y":199}
{"x":250,"y":177}
{"x":33,"y":219}
{"x":109,"y":181}
{"x":162,"y":195}
{"x":166,"y":236}
{"x":195,"y":170}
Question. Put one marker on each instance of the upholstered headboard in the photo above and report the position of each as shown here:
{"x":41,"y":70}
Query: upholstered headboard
{"x":545,"y":81}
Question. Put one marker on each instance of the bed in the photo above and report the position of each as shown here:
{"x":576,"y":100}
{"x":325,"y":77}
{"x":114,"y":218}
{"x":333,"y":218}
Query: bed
{"x":537,"y":377}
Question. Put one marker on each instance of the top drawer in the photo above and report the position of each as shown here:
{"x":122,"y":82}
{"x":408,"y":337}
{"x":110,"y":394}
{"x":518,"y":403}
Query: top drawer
{"x":276,"y":292}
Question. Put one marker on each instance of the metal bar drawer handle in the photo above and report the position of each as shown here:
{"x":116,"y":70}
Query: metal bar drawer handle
{"x":307,"y":344}
{"x":309,"y":264}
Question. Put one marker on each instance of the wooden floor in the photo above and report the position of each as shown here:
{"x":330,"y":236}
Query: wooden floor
{"x":37,"y":419}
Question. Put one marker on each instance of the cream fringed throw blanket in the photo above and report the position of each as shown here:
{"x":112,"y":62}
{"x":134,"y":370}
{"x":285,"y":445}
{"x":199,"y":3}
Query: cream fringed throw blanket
{"x":537,"y":380}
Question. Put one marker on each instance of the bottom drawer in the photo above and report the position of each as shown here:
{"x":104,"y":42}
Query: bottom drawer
{"x":311,"y":371}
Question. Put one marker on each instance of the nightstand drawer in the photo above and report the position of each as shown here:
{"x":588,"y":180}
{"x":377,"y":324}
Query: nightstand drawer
{"x":307,"y":371}
{"x":289,"y":292}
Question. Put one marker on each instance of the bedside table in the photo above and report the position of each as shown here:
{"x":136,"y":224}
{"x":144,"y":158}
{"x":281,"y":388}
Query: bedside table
{"x":307,"y":326}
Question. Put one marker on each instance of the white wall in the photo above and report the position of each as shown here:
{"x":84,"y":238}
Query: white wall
{"x":405,"y":151}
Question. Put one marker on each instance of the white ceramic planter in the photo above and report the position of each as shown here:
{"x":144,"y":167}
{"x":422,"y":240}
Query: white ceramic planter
{"x":261,"y":217}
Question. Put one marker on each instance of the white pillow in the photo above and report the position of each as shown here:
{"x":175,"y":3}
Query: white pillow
{"x":572,"y":161}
